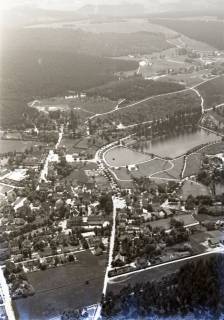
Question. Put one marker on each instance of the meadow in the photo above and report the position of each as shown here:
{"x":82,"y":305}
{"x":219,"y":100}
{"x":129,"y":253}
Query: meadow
{"x":63,"y":287}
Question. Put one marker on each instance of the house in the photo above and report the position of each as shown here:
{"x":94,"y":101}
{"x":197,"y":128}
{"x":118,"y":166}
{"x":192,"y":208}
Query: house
{"x":88,"y":234}
{"x":95,"y":220}
{"x":119,"y":258}
{"x":215,"y":242}
{"x":167,"y":211}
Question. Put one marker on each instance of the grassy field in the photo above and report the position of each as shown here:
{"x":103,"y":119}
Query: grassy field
{"x":90,"y":105}
{"x":194,"y":189}
{"x":78,"y":146}
{"x":193,"y":165}
{"x":63,"y":287}
{"x":16,"y":145}
{"x":110,"y":25}
{"x":213,"y":92}
{"x":162,"y":65}
{"x":144,"y":169}
{"x":178,"y":166}
{"x":188,"y":79}
{"x":102,"y":182}
{"x":120,"y":157}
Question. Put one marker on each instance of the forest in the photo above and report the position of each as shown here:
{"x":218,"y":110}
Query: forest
{"x":153,"y":109}
{"x":78,"y":41}
{"x":134,"y":88}
{"x":212,"y":92}
{"x":210,"y":32}
{"x":29,"y":74}
{"x":196,"y":289}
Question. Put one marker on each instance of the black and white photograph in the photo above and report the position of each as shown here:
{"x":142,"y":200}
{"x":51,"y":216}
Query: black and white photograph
{"x":112,"y":160}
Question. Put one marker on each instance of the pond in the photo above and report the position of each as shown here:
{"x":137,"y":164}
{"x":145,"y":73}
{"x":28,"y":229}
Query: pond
{"x":15,"y":145}
{"x":175,"y":146}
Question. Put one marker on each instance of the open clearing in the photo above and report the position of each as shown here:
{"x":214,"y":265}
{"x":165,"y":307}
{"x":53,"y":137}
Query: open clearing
{"x":111,"y":26}
{"x":144,"y":170}
{"x":195,"y":189}
{"x":63,"y":287}
{"x":16,"y":145}
{"x":177,"y":169}
{"x":188,"y":79}
{"x":120,"y":157}
{"x":193,"y":165}
{"x":90,"y":105}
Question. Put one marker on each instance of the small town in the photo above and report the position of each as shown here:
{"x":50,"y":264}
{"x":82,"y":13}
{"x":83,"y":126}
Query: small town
{"x":107,"y":187}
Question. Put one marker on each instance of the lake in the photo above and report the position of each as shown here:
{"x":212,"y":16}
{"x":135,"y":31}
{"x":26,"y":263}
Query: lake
{"x":15,"y":145}
{"x":175,"y":146}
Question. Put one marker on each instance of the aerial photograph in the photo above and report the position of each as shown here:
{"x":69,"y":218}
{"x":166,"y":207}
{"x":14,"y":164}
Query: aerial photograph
{"x":112,"y":160}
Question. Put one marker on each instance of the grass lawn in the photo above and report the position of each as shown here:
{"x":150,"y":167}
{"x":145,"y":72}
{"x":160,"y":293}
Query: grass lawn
{"x":69,"y":144}
{"x":164,"y":176}
{"x":125,"y":184}
{"x":194,"y":189}
{"x":17,"y":145}
{"x":120,"y":157}
{"x":102,"y":182}
{"x":175,"y":172}
{"x":162,"y":65}
{"x":189,"y":79}
{"x":96,"y":105}
{"x":63,"y":287}
{"x":161,"y":223}
{"x":193,"y":165}
{"x":145,"y":169}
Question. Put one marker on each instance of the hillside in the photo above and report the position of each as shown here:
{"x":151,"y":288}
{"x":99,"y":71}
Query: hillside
{"x":29,"y":74}
{"x":97,"y":44}
{"x":38,"y":63}
{"x":213,"y":92}
{"x":207,"y":31}
{"x":135,"y":88}
{"x":155,"y":108}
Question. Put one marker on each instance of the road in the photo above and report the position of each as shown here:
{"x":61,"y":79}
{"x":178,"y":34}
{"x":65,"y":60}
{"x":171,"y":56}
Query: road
{"x":44,"y":171}
{"x":7,"y":301}
{"x":117,"y":203}
{"x":193,"y":88}
{"x":202,"y":100}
